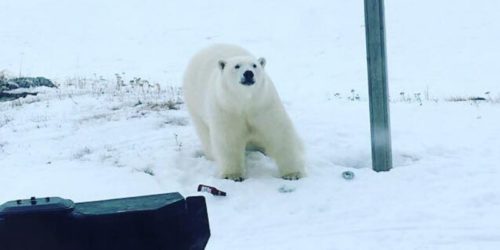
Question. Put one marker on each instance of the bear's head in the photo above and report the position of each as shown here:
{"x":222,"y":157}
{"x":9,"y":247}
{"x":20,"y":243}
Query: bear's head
{"x":243,"y":71}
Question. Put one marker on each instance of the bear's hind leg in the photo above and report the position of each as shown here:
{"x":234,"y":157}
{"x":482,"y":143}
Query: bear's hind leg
{"x":204,"y":134}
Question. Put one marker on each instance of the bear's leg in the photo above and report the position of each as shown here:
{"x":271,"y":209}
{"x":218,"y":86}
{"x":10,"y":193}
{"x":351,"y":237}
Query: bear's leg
{"x":204,"y":134}
{"x":282,"y":144}
{"x":289,"y":159}
{"x":228,"y":147}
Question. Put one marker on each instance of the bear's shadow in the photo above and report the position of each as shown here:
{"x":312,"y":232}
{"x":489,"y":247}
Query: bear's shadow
{"x":257,"y":164}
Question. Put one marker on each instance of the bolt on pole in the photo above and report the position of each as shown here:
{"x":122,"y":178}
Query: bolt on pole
{"x":377,"y":86}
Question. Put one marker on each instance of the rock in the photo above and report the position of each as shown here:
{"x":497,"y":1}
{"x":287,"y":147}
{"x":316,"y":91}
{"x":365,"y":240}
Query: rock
{"x":30,"y":82}
{"x":21,"y":82}
{"x":13,"y":96}
{"x":477,"y":99}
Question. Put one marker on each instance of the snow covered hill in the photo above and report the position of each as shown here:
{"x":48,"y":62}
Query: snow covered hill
{"x":101,"y":135}
{"x":449,"y":46}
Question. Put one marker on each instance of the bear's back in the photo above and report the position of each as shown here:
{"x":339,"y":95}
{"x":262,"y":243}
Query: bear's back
{"x":202,"y":71}
{"x":217,"y":52}
{"x":205,"y":62}
{"x":204,"y":65}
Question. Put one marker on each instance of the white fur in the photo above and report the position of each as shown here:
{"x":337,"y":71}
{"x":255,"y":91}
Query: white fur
{"x":230,"y":117}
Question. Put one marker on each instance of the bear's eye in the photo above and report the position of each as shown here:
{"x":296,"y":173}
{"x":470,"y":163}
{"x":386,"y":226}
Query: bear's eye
{"x":254,"y":66}
{"x":237,"y":66}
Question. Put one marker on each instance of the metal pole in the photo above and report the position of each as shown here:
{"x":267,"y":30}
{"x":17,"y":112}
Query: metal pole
{"x":377,"y":85}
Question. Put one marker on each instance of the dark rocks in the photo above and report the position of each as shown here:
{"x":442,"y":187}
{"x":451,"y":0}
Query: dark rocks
{"x":477,"y":99}
{"x":12,"y":96}
{"x":21,"y":82}
{"x":25,"y":82}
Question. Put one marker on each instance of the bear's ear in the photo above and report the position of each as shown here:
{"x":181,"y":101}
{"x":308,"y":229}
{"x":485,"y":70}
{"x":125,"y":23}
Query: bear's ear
{"x":222,"y":64}
{"x":262,"y":62}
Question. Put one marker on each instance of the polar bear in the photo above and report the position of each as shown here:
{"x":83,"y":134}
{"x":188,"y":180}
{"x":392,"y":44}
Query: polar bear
{"x":234,"y":106}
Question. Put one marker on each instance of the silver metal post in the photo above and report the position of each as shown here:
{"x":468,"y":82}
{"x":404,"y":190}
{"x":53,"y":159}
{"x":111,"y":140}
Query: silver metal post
{"x":377,"y":84}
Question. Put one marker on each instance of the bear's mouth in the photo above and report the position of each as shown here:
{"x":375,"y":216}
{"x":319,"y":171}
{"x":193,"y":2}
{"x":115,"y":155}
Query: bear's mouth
{"x":247,"y":82}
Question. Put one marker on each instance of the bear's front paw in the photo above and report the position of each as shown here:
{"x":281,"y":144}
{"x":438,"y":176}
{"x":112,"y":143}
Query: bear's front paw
{"x":234,"y":177}
{"x":292,"y":176}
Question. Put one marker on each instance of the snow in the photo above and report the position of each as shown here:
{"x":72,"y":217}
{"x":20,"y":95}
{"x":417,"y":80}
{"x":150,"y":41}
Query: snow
{"x":449,"y":47}
{"x":90,"y":140}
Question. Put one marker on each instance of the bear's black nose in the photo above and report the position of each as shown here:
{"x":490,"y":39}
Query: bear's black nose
{"x":248,"y":74}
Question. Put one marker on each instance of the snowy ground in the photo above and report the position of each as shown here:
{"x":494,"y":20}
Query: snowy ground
{"x":89,"y":140}
{"x":442,"y":194}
